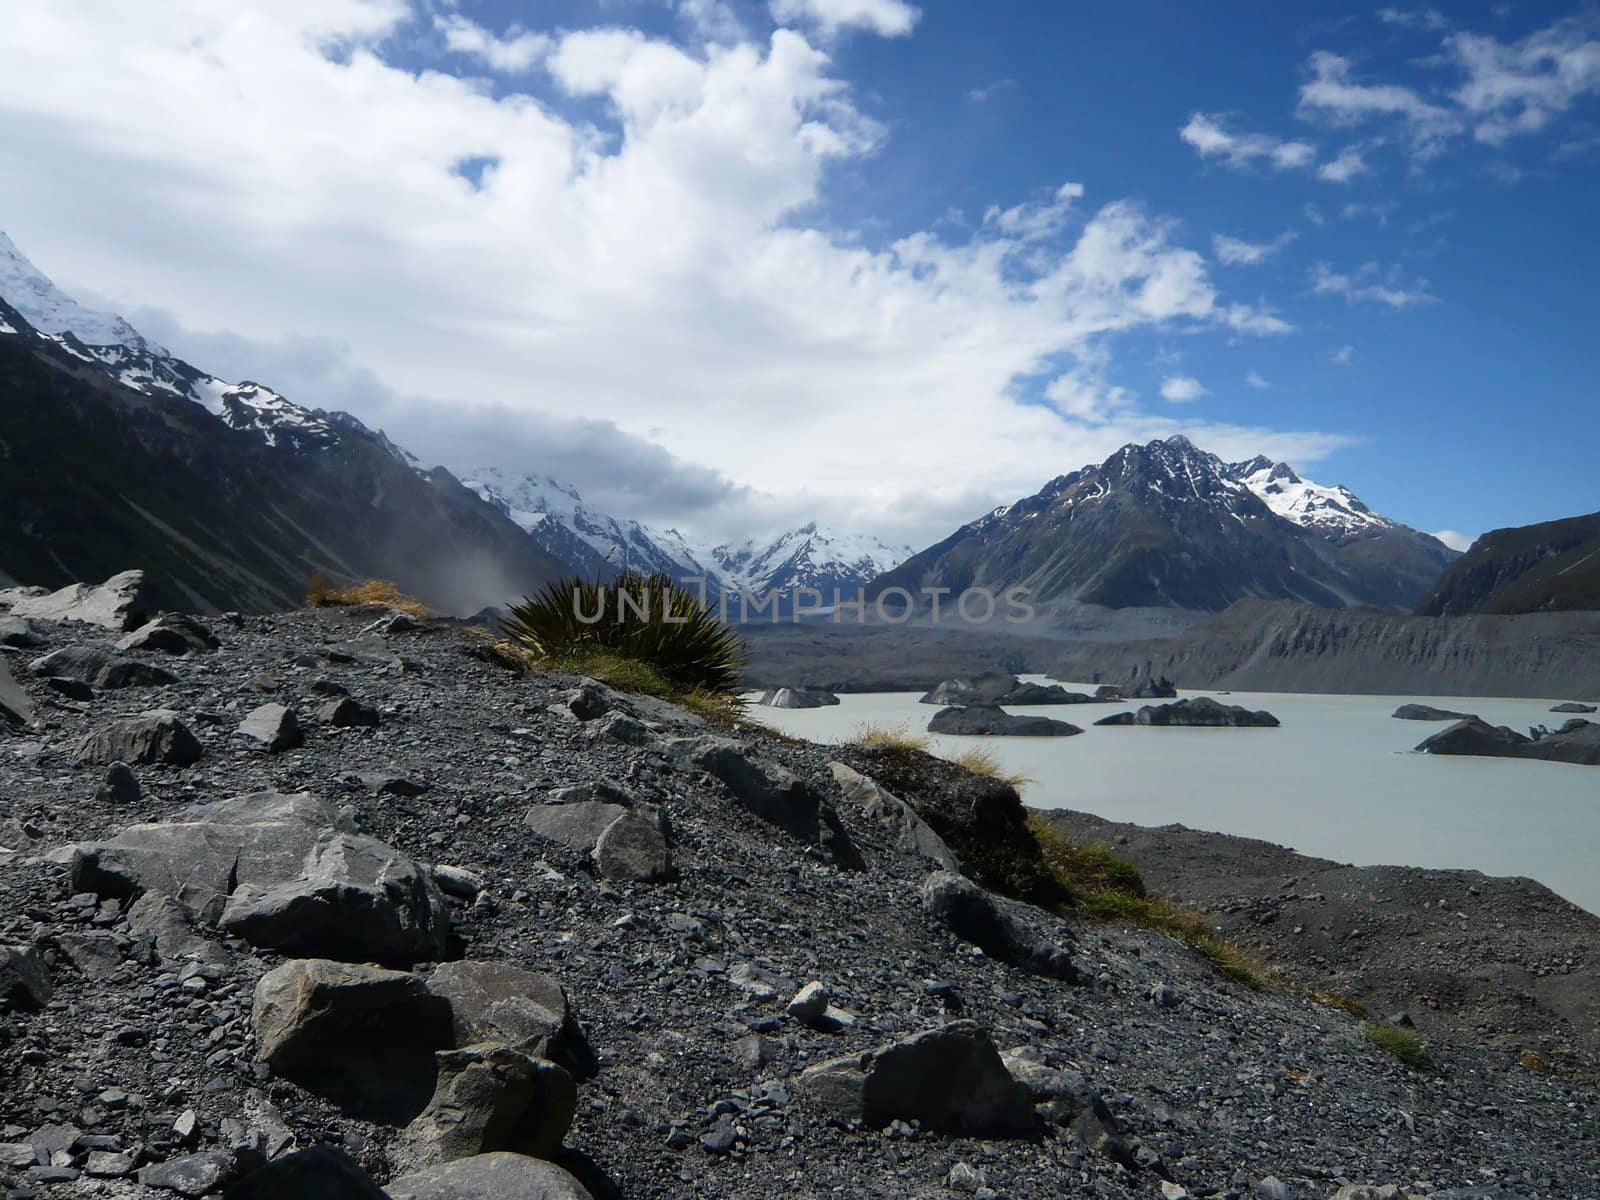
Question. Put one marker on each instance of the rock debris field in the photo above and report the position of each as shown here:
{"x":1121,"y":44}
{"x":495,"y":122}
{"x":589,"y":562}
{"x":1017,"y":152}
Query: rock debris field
{"x":326,"y":904}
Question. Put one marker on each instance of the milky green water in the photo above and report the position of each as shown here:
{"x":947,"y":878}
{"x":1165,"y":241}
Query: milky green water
{"x":1337,"y":780}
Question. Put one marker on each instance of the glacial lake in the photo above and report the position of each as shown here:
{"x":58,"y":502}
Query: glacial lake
{"x":1337,"y":780}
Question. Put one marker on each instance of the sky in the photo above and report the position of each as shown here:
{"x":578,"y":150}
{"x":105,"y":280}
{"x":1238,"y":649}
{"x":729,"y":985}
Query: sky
{"x":731,"y":266}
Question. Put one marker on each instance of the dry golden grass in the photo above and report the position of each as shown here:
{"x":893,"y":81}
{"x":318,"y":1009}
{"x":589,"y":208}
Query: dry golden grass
{"x":320,"y":593}
{"x":980,"y":760}
{"x":900,"y":737}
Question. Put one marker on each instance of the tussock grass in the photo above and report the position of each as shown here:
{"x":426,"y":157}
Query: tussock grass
{"x":980,"y":760}
{"x":898,"y":738}
{"x":1402,"y":1043}
{"x":321,"y":593}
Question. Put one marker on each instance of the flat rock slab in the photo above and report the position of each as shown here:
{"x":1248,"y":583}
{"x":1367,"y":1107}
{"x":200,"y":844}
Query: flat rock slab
{"x":273,"y":726}
{"x":118,"y":603}
{"x":1426,"y":712}
{"x":101,"y":668}
{"x":490,"y":1177}
{"x":170,"y":633}
{"x":158,"y":736}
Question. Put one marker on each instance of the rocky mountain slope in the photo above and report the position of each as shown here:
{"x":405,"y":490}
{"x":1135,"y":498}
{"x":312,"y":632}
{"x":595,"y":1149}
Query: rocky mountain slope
{"x":1553,"y":567}
{"x":1170,"y":525}
{"x":557,"y":517}
{"x":116,"y":452}
{"x":631,"y":908}
{"x":1276,"y":647}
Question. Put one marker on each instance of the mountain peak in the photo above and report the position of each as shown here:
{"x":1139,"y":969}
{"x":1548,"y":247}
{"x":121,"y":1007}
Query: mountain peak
{"x":52,"y":312}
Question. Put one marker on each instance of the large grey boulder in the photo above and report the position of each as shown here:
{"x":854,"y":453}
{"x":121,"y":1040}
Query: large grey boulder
{"x":951,"y":1079}
{"x":496,"y":1002}
{"x":273,"y":726}
{"x":1475,"y":736}
{"x":912,"y":835}
{"x":489,"y":1097}
{"x":986,"y":688}
{"x":357,"y":899}
{"x":360,"y":1036}
{"x":170,"y":633}
{"x":973,"y":915}
{"x":989,"y":720}
{"x":789,"y":697}
{"x":24,"y":980}
{"x":200,"y":859}
{"x":1577,"y":742}
{"x":19,"y":633}
{"x":118,"y":603}
{"x":348,"y":713}
{"x":16,"y":709}
{"x":1039,"y":693}
{"x":577,"y":825}
{"x":315,"y":1173}
{"x":157,"y":736}
{"x":101,"y":668}
{"x":773,"y":793}
{"x":499,"y":1176}
{"x":1426,"y":712}
{"x":634,"y":849}
{"x":628,"y":840}
{"x":1200,"y":712}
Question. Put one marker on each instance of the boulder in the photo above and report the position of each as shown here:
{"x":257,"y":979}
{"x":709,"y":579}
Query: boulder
{"x":19,"y":634}
{"x":912,"y":835}
{"x":356,"y":899}
{"x":16,"y":709}
{"x":190,"y":1175}
{"x":24,"y":980}
{"x":576,"y":825}
{"x":1572,"y":706}
{"x":633,"y":848}
{"x":487,"y":1098}
{"x":590,"y":700}
{"x":972,"y":689}
{"x":120,"y":787}
{"x":985,"y":720}
{"x":170,"y":633}
{"x":200,"y":859}
{"x":346,"y":713}
{"x":1576,"y":742}
{"x":1063,"y":1092}
{"x":1200,"y":712}
{"x":157,"y":736}
{"x":788,"y":697}
{"x":1038,"y":693}
{"x":361,"y":1036}
{"x":498,"y":1176}
{"x":1150,"y":687}
{"x":973,"y":915}
{"x":810,"y":1004}
{"x":1477,"y":737}
{"x":1426,"y":712}
{"x":72,"y":689}
{"x":101,"y":668}
{"x":495,"y":1002}
{"x":315,"y":1173}
{"x":118,"y":603}
{"x":619,"y":727}
{"x":951,"y":1079}
{"x":171,"y":927}
{"x":274,"y":726}
{"x":773,"y":793}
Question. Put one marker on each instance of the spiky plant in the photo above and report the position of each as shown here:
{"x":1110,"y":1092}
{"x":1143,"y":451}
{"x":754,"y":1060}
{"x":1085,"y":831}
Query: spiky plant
{"x":650,"y":619}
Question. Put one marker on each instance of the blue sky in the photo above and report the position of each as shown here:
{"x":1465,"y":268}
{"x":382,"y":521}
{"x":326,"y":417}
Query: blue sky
{"x":729,"y":265}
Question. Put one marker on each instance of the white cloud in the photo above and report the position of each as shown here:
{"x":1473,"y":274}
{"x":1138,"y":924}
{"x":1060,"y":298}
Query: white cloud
{"x":1235,"y":252}
{"x":1255,"y":380}
{"x":1210,"y":137}
{"x":1344,"y":356}
{"x":1332,"y":95}
{"x":1345,"y":167}
{"x":514,"y":53}
{"x":1519,"y":88}
{"x":1456,"y":541}
{"x":1430,"y":19}
{"x":655,"y":265}
{"x":886,"y":18}
{"x":1181,"y":389}
{"x":1370,"y":283}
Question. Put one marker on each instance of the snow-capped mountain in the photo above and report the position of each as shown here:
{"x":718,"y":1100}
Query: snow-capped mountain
{"x":230,"y":495}
{"x":1170,"y":525}
{"x":596,"y":543}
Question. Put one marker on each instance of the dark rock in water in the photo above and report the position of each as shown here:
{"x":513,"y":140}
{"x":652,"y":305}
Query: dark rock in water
{"x":787,"y":697}
{"x":1200,"y":712}
{"x":1108,"y":691}
{"x":171,"y":633}
{"x":101,"y":668}
{"x":973,"y":915}
{"x":1151,"y":688}
{"x":358,"y":900}
{"x":1038,"y":693}
{"x":274,"y":726}
{"x":118,"y":603}
{"x":24,"y":980}
{"x":991,"y":720}
{"x":1577,"y":742}
{"x":1573,"y":706}
{"x":951,"y":1079}
{"x":361,"y":1036}
{"x":120,"y":788}
{"x":157,"y":736}
{"x":498,"y":1176}
{"x":315,"y":1173}
{"x":772,"y":792}
{"x":972,"y":689}
{"x":1476,"y":737}
{"x":1426,"y":712}
{"x":15,"y":707}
